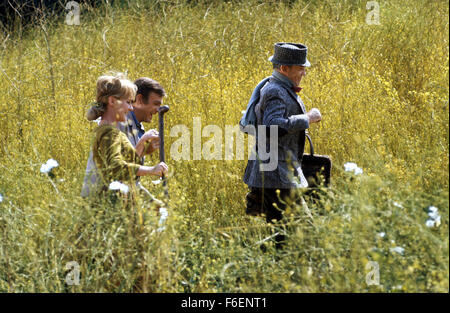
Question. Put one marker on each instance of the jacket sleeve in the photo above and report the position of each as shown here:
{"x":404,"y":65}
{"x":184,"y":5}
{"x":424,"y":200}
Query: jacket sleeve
{"x":110,"y":150}
{"x":274,"y":112}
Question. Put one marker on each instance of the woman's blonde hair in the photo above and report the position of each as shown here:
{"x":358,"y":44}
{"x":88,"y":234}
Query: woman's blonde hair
{"x":116,"y":85}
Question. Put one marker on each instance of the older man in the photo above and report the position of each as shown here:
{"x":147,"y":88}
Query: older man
{"x":149,"y":97}
{"x":280,"y":106}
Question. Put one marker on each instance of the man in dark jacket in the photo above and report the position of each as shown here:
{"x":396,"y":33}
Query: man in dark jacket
{"x":280,"y":106}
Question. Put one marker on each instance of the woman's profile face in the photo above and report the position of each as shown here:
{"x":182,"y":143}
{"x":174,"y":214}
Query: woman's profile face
{"x":123,"y":106}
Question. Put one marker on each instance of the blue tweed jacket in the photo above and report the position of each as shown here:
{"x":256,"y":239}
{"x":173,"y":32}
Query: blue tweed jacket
{"x":279,"y":105}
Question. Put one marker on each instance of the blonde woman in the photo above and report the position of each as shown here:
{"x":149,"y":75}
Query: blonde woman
{"x":115,"y":157}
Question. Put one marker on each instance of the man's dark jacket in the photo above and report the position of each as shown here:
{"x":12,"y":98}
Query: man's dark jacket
{"x":280,"y":105}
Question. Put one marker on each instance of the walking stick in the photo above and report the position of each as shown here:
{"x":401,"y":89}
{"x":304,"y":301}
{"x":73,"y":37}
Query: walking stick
{"x":161,"y":111}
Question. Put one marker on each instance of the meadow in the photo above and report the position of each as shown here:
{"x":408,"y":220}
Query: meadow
{"x":383,"y":93}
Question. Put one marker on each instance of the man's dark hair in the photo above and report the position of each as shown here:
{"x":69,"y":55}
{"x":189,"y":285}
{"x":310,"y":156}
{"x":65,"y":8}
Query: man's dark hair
{"x":147,"y":85}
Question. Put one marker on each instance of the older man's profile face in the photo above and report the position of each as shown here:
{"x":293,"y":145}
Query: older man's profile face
{"x":294,"y":72}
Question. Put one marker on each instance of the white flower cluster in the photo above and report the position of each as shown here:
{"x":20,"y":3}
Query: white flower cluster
{"x":435,"y":217}
{"x":353,"y":167}
{"x":162,"y":219}
{"x":399,"y":250}
{"x":48,"y":166}
{"x":117,"y":185}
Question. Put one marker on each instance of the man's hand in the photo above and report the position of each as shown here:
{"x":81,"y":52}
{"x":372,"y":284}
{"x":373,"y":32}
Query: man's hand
{"x":153,"y":145}
{"x":159,"y":169}
{"x":150,"y":135}
{"x":314,"y":115}
{"x":150,"y":141}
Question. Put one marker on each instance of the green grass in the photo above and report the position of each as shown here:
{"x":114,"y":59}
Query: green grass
{"x":383,"y":93}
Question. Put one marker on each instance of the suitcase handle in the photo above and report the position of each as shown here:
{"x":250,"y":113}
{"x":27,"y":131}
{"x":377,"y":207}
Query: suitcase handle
{"x":311,"y":148}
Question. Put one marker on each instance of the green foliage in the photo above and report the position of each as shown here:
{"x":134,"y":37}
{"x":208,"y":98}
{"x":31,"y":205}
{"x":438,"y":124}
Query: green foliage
{"x":383,"y":93}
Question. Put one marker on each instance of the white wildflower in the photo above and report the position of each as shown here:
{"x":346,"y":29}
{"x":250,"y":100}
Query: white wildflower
{"x":429,"y":223}
{"x":156,"y":182}
{"x":49,"y":165}
{"x":382,"y":234}
{"x":160,"y":229}
{"x":433,"y":222}
{"x":398,"y":205}
{"x":117,"y":185}
{"x":398,"y":250}
{"x":350,"y":166}
{"x":163,"y":211}
{"x":435,"y":217}
{"x":164,"y":214}
{"x":437,"y":221}
{"x":353,"y":167}
{"x":1,"y":198}
{"x":433,"y":212}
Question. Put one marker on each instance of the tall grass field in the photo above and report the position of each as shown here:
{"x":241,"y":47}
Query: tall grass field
{"x":382,"y":88}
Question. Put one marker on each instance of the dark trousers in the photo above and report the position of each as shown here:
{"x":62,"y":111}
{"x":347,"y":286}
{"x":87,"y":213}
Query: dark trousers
{"x":272,"y":204}
{"x":266,"y":201}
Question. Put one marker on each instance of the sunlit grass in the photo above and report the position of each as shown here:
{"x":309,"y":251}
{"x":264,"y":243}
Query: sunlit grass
{"x":383,"y":93}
